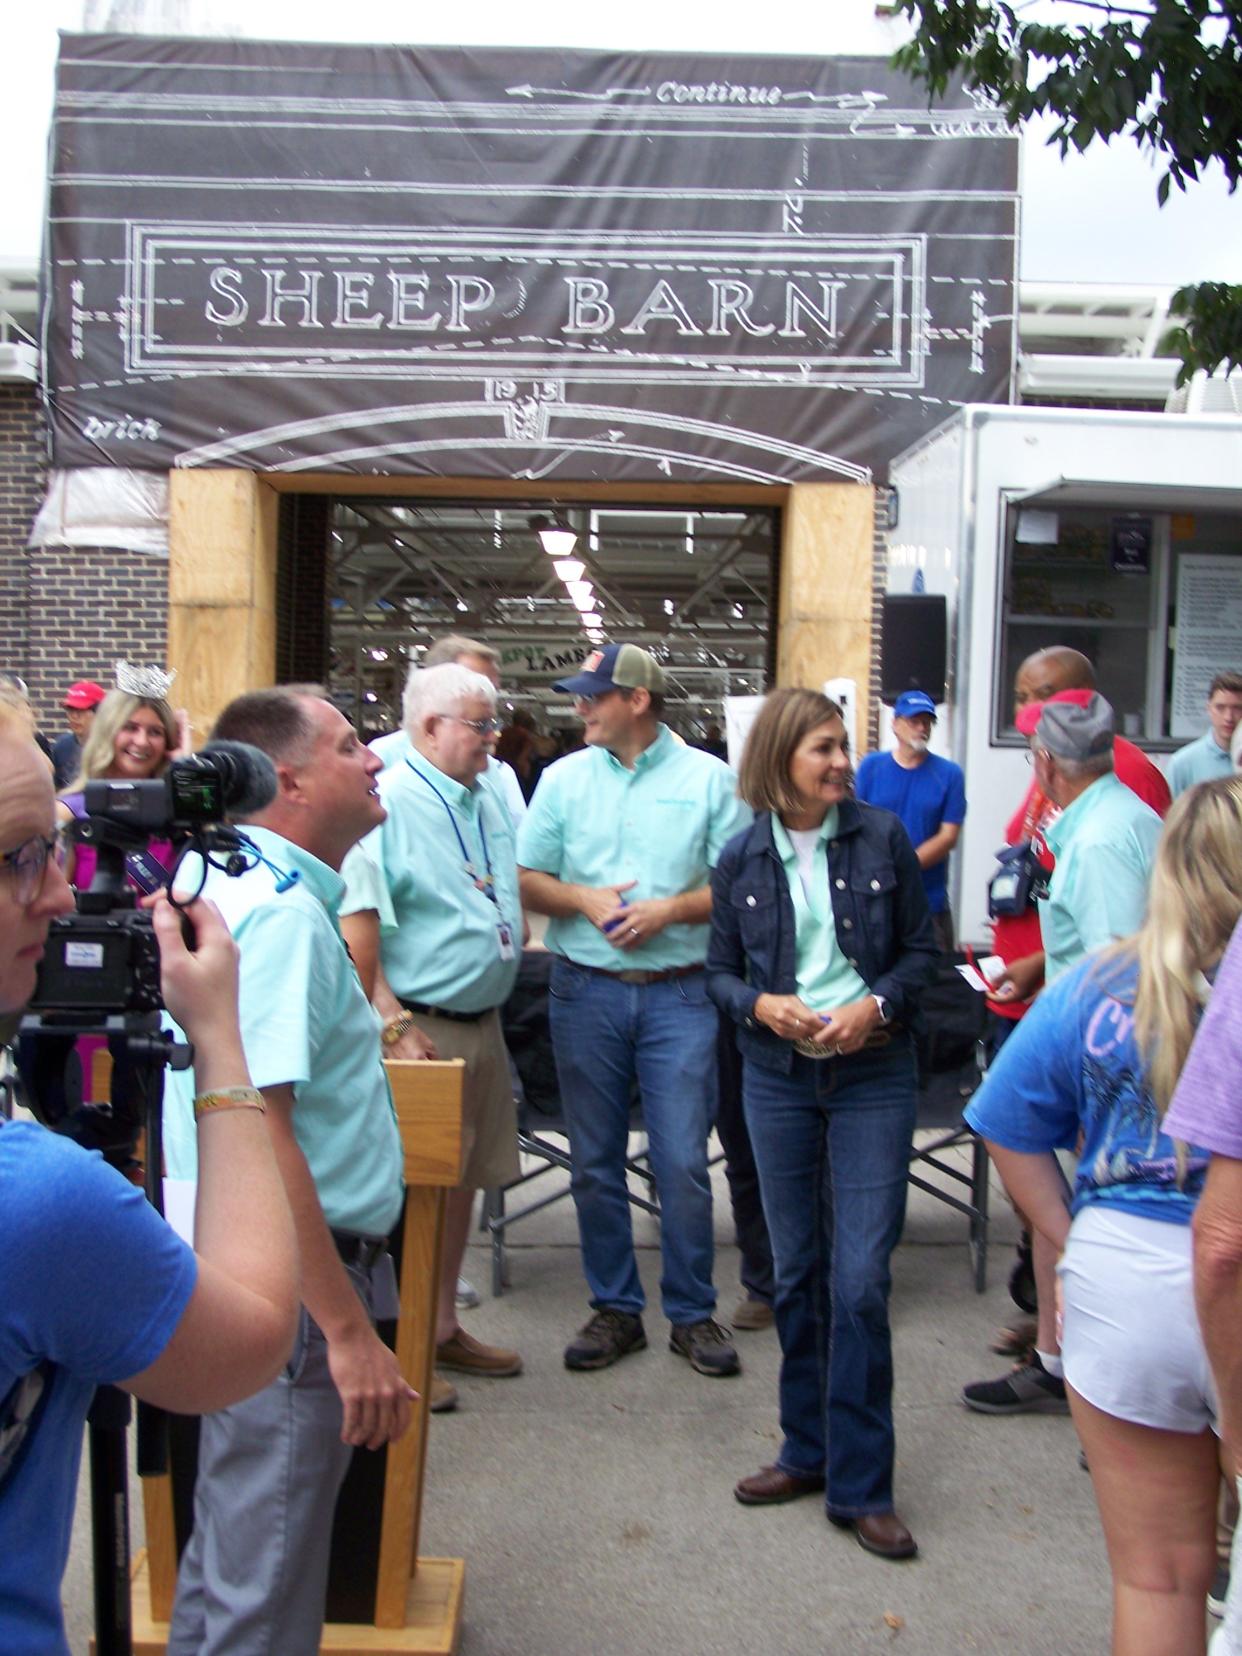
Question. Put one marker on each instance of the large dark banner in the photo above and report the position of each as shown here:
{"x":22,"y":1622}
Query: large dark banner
{"x":529,"y":264}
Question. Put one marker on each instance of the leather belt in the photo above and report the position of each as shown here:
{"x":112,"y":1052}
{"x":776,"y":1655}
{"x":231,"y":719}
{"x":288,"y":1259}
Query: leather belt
{"x":640,"y":976}
{"x":362,"y":1251}
{"x":442,"y":1012}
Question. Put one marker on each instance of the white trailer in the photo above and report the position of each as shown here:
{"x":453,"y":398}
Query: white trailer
{"x":1117,"y":533}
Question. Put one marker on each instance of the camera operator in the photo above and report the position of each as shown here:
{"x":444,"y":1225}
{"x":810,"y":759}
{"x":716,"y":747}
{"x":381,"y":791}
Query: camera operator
{"x":94,"y":1286}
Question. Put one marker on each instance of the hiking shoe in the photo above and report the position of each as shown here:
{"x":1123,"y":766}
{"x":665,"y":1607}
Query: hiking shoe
{"x":706,"y":1346}
{"x":1026,"y":1389}
{"x":608,"y":1336}
{"x":1218,"y":1592}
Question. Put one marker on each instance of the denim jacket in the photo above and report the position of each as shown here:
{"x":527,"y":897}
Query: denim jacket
{"x":879,"y":906}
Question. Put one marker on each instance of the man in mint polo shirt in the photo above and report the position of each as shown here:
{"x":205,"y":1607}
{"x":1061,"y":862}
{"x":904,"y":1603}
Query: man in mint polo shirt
{"x":434,"y":922}
{"x":1104,"y":839}
{"x":254,"y":1574}
{"x":1207,"y":758}
{"x":617,"y":849}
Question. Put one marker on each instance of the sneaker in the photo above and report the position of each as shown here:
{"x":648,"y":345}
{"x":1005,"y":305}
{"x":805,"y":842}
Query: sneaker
{"x":609,"y":1336}
{"x":1026,"y":1389}
{"x":706,"y":1346}
{"x":1218,"y":1592}
{"x":752,"y":1314}
{"x":467,"y":1295}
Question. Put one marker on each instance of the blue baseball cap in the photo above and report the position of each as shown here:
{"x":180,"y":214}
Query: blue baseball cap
{"x":911,"y":703}
{"x":615,"y":667}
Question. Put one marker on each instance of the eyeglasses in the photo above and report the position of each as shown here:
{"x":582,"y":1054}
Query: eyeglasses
{"x":27,"y":866}
{"x":481,"y":727}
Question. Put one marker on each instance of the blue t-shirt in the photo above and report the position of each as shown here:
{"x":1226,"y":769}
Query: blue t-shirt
{"x":1073,"y":1063}
{"x":923,"y":799}
{"x":94,"y":1280}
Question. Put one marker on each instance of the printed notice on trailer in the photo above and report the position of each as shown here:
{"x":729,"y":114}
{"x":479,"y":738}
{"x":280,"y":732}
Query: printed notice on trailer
{"x":1209,"y":634}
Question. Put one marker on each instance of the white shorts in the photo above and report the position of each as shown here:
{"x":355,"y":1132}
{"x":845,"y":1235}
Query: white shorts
{"x":1130,"y":1341}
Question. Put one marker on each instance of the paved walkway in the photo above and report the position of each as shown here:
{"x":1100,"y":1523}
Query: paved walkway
{"x":595,"y":1510}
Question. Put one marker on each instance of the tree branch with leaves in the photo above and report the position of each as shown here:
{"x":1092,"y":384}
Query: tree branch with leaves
{"x":1167,"y":74}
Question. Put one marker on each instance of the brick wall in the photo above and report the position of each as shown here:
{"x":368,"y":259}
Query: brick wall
{"x":22,"y":470}
{"x":88,"y":607}
{"x":65,"y":613}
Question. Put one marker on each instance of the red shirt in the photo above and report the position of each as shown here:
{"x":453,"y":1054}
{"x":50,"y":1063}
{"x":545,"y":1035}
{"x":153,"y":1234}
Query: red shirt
{"x":1015,"y":936}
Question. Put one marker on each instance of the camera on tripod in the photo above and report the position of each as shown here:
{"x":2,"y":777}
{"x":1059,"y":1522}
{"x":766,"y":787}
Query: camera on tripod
{"x":100,"y":972}
{"x":103,"y":958}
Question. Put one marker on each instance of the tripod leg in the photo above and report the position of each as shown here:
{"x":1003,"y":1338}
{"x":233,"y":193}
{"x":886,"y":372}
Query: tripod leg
{"x":108,"y":1420}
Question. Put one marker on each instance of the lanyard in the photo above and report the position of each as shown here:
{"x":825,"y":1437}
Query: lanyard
{"x":486,"y":882}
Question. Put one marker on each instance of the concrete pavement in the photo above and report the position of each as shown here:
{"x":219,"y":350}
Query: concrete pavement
{"x":596,"y":1516}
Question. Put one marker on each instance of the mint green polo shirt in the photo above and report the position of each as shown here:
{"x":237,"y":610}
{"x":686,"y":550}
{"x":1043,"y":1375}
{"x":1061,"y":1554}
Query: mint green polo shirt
{"x":1203,"y":760}
{"x":663,"y":825}
{"x":824,"y":976}
{"x":439,"y":932}
{"x":1104,"y":844}
{"x":306,"y":1022}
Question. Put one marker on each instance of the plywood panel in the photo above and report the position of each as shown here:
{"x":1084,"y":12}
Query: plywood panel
{"x":221,"y":589}
{"x":826,"y":592}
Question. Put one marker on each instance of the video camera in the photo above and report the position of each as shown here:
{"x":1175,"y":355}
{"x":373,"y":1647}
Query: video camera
{"x":100,"y":972}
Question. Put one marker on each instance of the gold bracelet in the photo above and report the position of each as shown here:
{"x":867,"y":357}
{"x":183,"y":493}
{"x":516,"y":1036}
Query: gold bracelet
{"x":229,"y":1098}
{"x":395,"y":1028}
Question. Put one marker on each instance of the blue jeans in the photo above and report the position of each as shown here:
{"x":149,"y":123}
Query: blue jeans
{"x":607,"y":1035}
{"x":832,"y":1144}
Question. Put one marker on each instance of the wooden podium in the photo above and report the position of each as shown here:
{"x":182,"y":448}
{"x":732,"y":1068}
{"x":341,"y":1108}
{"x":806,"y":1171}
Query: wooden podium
{"x":418,"y":1601}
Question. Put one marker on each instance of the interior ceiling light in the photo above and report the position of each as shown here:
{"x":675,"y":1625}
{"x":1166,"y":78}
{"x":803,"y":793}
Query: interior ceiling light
{"x":569,"y":569}
{"x":555,"y":536}
{"x":591,"y":621}
{"x":581,"y":594}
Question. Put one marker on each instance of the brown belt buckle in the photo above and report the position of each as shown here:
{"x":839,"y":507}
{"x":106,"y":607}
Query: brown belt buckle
{"x":635,"y":976}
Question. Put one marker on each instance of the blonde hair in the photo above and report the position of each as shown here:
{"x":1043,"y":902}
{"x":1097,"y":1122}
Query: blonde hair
{"x":1194,"y":903}
{"x":16,"y":712}
{"x":786,"y":718}
{"x":114,"y":712}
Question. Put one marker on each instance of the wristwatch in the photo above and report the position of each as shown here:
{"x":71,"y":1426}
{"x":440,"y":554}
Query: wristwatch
{"x":883,"y":1008}
{"x":395,"y":1028}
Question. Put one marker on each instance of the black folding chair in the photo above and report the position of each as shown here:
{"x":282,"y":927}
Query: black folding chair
{"x":952,"y":1061}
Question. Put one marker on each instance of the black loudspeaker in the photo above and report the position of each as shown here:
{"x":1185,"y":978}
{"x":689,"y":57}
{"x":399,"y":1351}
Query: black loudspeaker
{"x":912,"y":654}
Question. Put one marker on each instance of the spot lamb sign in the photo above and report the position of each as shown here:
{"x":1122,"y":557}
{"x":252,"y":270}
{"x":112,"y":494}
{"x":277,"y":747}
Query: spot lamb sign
{"x":291,"y":257}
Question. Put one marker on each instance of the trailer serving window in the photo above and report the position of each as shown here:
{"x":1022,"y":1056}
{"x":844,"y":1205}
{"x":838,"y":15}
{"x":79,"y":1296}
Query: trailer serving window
{"x":1153,"y":597}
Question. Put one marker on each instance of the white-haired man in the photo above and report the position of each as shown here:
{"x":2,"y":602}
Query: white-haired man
{"x":434,"y":922}
{"x":479,"y":658}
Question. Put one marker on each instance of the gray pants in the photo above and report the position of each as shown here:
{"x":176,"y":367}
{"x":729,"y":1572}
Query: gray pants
{"x":254,"y":1575}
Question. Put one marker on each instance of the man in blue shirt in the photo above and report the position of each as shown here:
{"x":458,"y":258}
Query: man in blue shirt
{"x":926,"y":792}
{"x":253,"y":1576}
{"x":617,"y":849}
{"x":1207,"y":758}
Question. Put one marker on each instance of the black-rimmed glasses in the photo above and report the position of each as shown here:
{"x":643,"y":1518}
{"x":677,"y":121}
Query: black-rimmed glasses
{"x":27,"y":865}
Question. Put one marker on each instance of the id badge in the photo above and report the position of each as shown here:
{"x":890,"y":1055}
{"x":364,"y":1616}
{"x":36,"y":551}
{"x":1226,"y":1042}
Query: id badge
{"x":504,"y":936}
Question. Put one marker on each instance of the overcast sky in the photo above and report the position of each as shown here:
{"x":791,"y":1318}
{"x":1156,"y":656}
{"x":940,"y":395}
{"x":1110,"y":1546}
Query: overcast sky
{"x":1091,"y":219}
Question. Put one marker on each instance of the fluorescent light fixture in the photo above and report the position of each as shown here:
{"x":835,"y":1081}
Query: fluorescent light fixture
{"x":555,"y":536}
{"x":569,"y":569}
{"x":591,"y":621}
{"x":581,"y":594}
